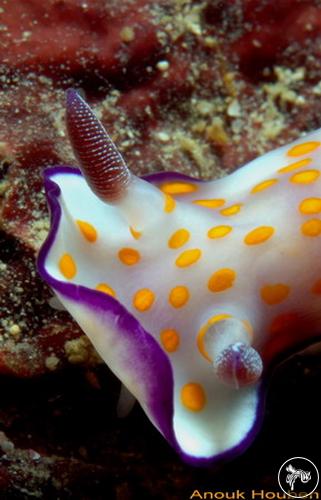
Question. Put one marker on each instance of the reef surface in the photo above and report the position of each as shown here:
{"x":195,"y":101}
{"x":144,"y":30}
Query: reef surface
{"x":198,"y":87}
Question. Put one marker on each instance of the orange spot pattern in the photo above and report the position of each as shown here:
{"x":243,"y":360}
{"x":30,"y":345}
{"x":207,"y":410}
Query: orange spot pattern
{"x":193,"y":396}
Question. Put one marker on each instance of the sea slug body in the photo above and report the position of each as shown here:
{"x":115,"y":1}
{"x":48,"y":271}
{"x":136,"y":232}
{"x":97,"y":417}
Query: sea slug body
{"x":189,"y":290}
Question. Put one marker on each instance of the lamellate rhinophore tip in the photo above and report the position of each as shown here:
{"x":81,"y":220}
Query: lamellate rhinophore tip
{"x":99,"y":160}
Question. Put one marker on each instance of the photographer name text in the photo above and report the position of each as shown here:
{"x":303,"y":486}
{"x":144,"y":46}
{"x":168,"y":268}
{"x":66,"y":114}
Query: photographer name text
{"x":250,"y":495}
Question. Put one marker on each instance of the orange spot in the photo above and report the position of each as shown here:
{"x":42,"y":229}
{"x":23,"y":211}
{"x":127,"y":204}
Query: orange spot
{"x":67,"y":266}
{"x":193,"y":396}
{"x":259,"y":235}
{"x":170,"y":339}
{"x":179,"y":238}
{"x":202,"y":332}
{"x":305,"y":177}
{"x":188,"y":257}
{"x":213,"y":203}
{"x":316,"y":288}
{"x":135,"y":234}
{"x":221,"y":280}
{"x":87,"y":230}
{"x":311,"y":227}
{"x":310,"y":206}
{"x":295,"y":166}
{"x":219,"y":232}
{"x":169,"y":204}
{"x":178,"y":296}
{"x":174,"y":188}
{"x":143,"y":299}
{"x":129,"y":256}
{"x":103,"y":287}
{"x":263,"y":185}
{"x":304,"y":148}
{"x":232,"y":210}
{"x":274,"y":294}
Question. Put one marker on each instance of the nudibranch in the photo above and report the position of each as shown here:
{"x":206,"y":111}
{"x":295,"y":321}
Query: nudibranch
{"x":189,"y":290}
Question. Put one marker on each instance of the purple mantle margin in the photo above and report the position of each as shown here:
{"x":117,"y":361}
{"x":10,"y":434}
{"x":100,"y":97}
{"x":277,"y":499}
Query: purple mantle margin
{"x":161,"y":387}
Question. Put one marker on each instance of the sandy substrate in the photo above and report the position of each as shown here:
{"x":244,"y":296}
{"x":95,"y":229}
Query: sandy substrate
{"x":197,"y":87}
